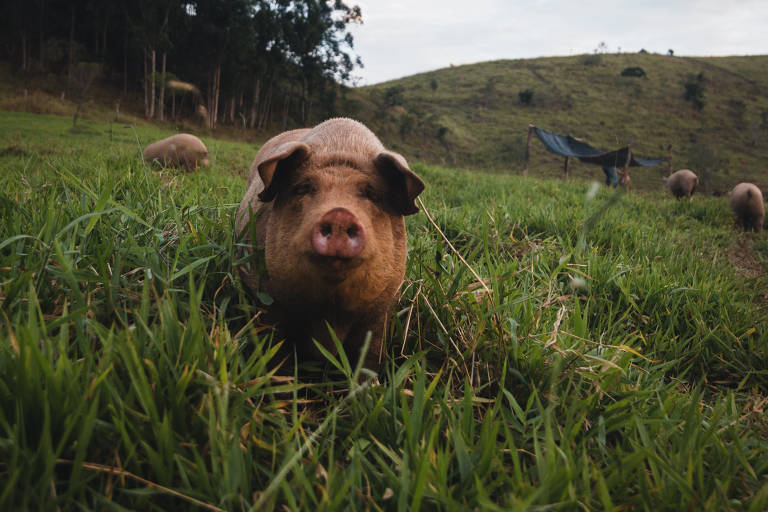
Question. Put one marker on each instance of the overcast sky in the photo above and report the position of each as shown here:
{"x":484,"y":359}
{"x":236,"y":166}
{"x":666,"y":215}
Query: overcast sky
{"x":401,"y":37}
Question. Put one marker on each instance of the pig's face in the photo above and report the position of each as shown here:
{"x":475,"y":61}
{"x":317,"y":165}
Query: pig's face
{"x":336,"y":235}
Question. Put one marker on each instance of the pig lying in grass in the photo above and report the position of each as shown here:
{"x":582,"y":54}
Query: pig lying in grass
{"x":180,"y":150}
{"x":325,"y":207}
{"x":746,"y":203}
{"x":682,"y":183}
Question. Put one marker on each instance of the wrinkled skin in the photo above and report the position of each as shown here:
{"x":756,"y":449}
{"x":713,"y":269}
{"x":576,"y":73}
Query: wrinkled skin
{"x":682,"y":183}
{"x":326,"y":207}
{"x":181,"y":150}
{"x":746,"y":203}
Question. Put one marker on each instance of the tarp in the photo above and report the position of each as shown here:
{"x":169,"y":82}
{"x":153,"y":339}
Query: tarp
{"x":565,"y":145}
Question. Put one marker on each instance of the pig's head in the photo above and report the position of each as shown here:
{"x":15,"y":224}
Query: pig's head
{"x":336,"y":234}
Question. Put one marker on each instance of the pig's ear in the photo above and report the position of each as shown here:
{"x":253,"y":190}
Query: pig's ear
{"x":405,"y":182}
{"x":275,"y":167}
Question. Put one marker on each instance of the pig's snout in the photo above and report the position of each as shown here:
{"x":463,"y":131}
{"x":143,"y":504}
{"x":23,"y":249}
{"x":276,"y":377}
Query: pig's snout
{"x":338,"y":234}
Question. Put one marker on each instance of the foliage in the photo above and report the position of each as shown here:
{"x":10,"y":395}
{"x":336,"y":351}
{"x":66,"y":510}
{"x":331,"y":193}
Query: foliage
{"x":249,"y":55}
{"x":694,"y":91}
{"x":526,"y":96}
{"x":633,"y":71}
{"x":608,"y":357}
{"x":393,"y":96}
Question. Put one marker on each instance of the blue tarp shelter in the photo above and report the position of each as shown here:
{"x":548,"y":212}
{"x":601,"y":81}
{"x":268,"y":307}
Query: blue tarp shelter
{"x":567,"y":146}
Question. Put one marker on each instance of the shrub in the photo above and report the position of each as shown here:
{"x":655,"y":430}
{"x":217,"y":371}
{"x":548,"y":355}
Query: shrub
{"x":694,"y":91}
{"x":526,"y":96}
{"x":633,"y":71}
{"x":394,"y":96}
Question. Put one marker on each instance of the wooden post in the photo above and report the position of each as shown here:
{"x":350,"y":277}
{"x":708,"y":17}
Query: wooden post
{"x":528,"y":149}
{"x":565,"y":169}
{"x":625,"y":179}
{"x":669,"y":160}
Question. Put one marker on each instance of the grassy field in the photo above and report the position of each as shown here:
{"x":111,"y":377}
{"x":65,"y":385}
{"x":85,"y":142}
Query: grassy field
{"x":557,"y":346}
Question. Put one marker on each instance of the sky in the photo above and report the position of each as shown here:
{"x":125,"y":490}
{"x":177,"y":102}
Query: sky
{"x":400,"y":37}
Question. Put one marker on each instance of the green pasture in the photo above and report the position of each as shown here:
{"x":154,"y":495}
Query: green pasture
{"x":557,"y":346}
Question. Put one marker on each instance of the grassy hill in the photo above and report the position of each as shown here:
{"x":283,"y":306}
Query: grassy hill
{"x":474,"y":118}
{"x":556,"y":346}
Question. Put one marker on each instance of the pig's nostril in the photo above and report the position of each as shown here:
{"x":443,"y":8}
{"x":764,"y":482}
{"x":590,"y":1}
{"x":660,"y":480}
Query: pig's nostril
{"x":326,"y":229}
{"x":352,"y":232}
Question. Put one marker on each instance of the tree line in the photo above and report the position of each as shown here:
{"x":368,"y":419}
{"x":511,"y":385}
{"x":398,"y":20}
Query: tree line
{"x":254,"y":63}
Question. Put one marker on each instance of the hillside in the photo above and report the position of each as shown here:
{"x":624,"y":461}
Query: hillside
{"x":474,"y":117}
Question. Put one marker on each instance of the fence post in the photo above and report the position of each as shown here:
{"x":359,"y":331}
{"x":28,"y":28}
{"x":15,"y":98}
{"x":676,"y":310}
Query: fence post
{"x":625,"y":179}
{"x":565,"y":169}
{"x":528,"y":150}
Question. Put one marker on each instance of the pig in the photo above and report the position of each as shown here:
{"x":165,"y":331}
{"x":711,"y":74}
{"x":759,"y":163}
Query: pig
{"x":181,"y":150}
{"x":682,"y":183}
{"x":746,"y":203}
{"x":323,"y":220}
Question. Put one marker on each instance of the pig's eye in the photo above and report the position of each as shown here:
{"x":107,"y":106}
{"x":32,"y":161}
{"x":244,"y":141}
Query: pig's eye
{"x":302,"y":189}
{"x":370,"y":193}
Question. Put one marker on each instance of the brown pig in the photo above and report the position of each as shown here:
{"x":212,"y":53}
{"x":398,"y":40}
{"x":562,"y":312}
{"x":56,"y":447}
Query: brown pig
{"x":682,"y":183}
{"x":746,"y":203}
{"x":180,"y":150}
{"x":323,"y":219}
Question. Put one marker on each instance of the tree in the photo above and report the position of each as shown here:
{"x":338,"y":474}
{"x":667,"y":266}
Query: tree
{"x":82,"y":76}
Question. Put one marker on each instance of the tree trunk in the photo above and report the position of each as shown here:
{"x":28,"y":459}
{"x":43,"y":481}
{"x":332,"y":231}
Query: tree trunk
{"x":71,"y":52}
{"x":125,"y":67}
{"x":42,"y":36}
{"x":254,"y":105}
{"x":266,"y":108}
{"x":146,"y":85}
{"x":104,"y":37}
{"x":24,"y":51}
{"x":232,"y":110}
{"x":286,"y":106}
{"x":161,"y":106}
{"x":213,"y":98}
{"x":152,"y":90}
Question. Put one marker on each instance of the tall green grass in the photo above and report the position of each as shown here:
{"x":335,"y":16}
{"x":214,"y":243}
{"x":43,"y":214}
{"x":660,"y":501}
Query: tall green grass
{"x":610,"y":355}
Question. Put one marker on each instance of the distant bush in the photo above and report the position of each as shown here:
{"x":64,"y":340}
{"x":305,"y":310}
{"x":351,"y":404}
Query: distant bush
{"x":394,"y":96}
{"x":633,"y":71}
{"x":694,"y":90}
{"x":526,"y":96}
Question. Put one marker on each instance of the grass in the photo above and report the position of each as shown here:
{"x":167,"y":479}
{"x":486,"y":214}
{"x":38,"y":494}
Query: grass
{"x":584,"y":95}
{"x":611,"y":356}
